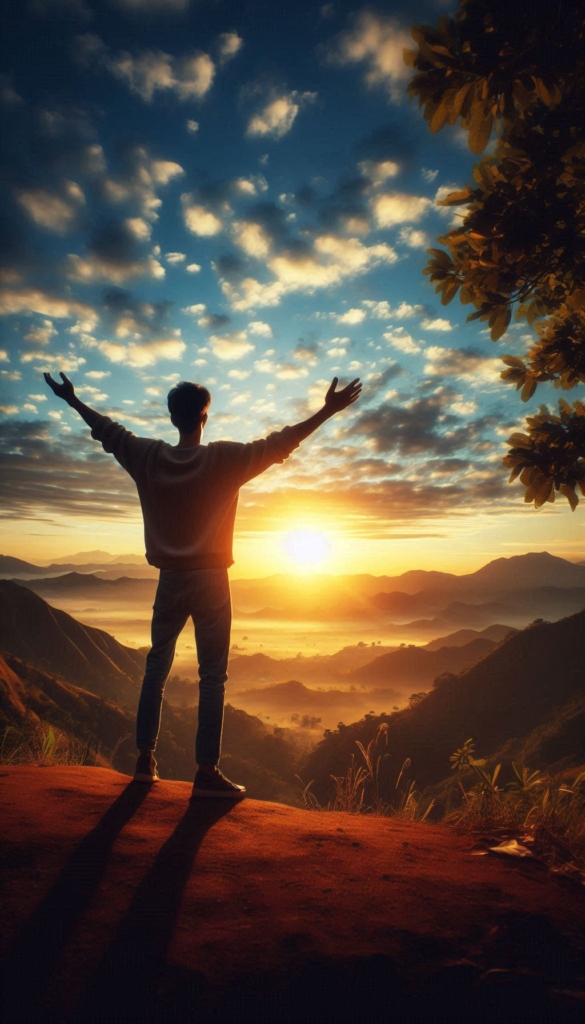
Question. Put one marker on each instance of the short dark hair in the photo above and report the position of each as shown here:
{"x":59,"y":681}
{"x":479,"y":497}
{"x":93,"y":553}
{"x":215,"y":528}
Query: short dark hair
{"x":187,"y":404}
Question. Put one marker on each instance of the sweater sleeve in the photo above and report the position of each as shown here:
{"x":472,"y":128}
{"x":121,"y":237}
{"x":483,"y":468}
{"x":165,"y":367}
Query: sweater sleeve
{"x":128,"y":449}
{"x":245,"y":461}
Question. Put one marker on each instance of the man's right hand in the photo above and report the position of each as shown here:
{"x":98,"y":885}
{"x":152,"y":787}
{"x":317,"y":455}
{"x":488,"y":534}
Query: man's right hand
{"x":65,"y":390}
{"x":336,"y":401}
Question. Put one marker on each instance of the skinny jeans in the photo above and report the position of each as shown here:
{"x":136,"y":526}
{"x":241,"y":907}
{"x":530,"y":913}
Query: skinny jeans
{"x":204,"y":596}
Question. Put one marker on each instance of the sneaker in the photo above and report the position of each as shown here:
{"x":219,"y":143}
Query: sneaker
{"x":216,"y":785}
{"x":146,"y":770}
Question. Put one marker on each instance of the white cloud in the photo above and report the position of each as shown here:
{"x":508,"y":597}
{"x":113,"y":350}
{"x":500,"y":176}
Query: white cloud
{"x":230,"y":347}
{"x":379,"y":171}
{"x":139,"y":228}
{"x":38,"y":301}
{"x":283,"y":371}
{"x":377,"y":41}
{"x":464,"y":363}
{"x":139,"y":185}
{"x":9,"y":410}
{"x":146,"y":353}
{"x":465,"y":409}
{"x":437,"y":325}
{"x":352,"y":316}
{"x":413,"y":238}
{"x":192,"y":126}
{"x":391,"y":208}
{"x":40,"y":334}
{"x":336,"y":352}
{"x":239,"y":374}
{"x":405,"y":310}
{"x":402,"y":341}
{"x":4,"y":357}
{"x":428,"y":175}
{"x":229,"y":43}
{"x":150,"y":71}
{"x":277,"y":117}
{"x":193,"y":268}
{"x":332,"y":260}
{"x":175,"y":257}
{"x":93,"y":375}
{"x":259,"y":327}
{"x":88,"y":269}
{"x":252,"y":238}
{"x":198,"y":219}
{"x":54,"y":361}
{"x":197,"y":309}
{"x":379,"y":310}
{"x":51,"y":211}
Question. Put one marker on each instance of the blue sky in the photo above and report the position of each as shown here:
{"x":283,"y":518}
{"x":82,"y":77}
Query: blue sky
{"x":241,"y":194}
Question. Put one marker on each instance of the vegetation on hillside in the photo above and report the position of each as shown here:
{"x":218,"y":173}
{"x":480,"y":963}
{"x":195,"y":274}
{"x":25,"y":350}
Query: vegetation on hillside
{"x":496,"y":68}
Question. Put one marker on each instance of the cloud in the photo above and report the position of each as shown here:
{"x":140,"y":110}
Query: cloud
{"x":144,"y":353}
{"x":376,"y":41}
{"x":198,"y":219}
{"x":214,"y":321}
{"x":230,"y":347}
{"x":36,"y":300}
{"x":352,"y":316}
{"x":330,"y":261}
{"x":419,"y":428}
{"x":466,"y":363}
{"x":193,"y":268}
{"x":405,"y":310}
{"x":278,"y":115}
{"x":428,"y":175}
{"x":147,"y":72}
{"x":306,"y":353}
{"x":192,"y":126}
{"x":229,"y":43}
{"x":283,"y":371}
{"x":259,"y":327}
{"x":112,"y":255}
{"x":252,"y":238}
{"x":40,"y":334}
{"x":142,"y":176}
{"x":175,"y":257}
{"x":197,"y":309}
{"x":414,"y":239}
{"x":50,"y":210}
{"x":378,"y":171}
{"x":437,"y":325}
{"x":391,"y":208}
{"x":379,"y":310}
{"x":402,"y":341}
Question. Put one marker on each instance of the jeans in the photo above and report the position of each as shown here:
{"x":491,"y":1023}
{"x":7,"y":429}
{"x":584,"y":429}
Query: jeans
{"x":203,"y":595}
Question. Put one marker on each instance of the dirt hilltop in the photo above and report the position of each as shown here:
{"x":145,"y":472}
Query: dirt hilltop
{"x":124,"y":902}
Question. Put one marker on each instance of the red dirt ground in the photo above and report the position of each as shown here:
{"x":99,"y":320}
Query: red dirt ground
{"x":125,"y":902}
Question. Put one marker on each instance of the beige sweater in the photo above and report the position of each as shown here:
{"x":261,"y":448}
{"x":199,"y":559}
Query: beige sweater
{"x":189,"y":496}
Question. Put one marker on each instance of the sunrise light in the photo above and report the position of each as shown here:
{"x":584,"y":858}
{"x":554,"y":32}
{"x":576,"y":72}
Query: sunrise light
{"x":307,"y":549}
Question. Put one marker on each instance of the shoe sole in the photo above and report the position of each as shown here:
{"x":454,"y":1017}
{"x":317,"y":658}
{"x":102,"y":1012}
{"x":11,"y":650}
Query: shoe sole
{"x":146,"y":778}
{"x":214,"y":795}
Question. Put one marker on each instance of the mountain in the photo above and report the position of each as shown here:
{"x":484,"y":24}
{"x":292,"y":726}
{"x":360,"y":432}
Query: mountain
{"x":9,"y":565}
{"x":55,"y":642}
{"x":419,"y":666}
{"x":520,"y":688}
{"x":81,"y":557}
{"x":497,"y":633}
{"x":76,"y":584}
{"x":294,"y":696}
{"x":522,"y":571}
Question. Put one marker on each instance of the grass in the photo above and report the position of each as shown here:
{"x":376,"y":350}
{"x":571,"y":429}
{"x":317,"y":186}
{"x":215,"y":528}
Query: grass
{"x":42,"y":745}
{"x":544,"y":811}
{"x":363,"y":789}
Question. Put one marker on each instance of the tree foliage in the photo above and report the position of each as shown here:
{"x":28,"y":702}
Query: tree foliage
{"x":500,"y":70}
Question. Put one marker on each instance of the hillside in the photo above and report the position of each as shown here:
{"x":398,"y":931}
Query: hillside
{"x":496,"y":632}
{"x":55,"y":642}
{"x":266,"y":913}
{"x":519,"y":686}
{"x":420,"y":666}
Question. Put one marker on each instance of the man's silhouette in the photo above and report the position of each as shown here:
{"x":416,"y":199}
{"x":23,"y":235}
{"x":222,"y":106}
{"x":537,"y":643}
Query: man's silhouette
{"x":189,"y":494}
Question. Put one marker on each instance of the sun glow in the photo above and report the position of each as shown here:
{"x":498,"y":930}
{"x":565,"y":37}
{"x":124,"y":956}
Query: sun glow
{"x":307,"y":549}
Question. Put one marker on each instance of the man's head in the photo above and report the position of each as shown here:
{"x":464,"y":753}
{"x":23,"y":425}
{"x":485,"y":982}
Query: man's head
{"x":188,"y":404}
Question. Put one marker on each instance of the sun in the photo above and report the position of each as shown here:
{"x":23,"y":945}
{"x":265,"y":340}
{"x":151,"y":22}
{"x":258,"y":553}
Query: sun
{"x":307,"y":549}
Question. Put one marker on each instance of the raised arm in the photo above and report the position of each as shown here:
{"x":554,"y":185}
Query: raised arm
{"x":66,"y":392}
{"x":335,"y":401}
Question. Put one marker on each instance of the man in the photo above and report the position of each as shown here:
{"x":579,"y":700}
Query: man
{"x":189,"y":493}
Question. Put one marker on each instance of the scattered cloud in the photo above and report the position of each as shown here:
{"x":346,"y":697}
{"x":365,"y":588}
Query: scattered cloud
{"x":198,"y":219}
{"x":40,"y":334}
{"x":414,"y":239}
{"x":401,"y":340}
{"x":192,"y":126}
{"x":229,"y":43}
{"x":465,"y":363}
{"x":428,"y":175}
{"x":37,"y":300}
{"x":352,"y":316}
{"x":378,"y":171}
{"x":148,"y":72}
{"x":259,"y":327}
{"x":391,"y":208}
{"x":436,"y":325}
{"x":229,"y":347}
{"x":193,"y":268}
{"x":175,"y":257}
{"x":376,"y":41}
{"x":379,"y":310}
{"x":145,"y":353}
{"x":50,"y":210}
{"x":278,"y":115}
